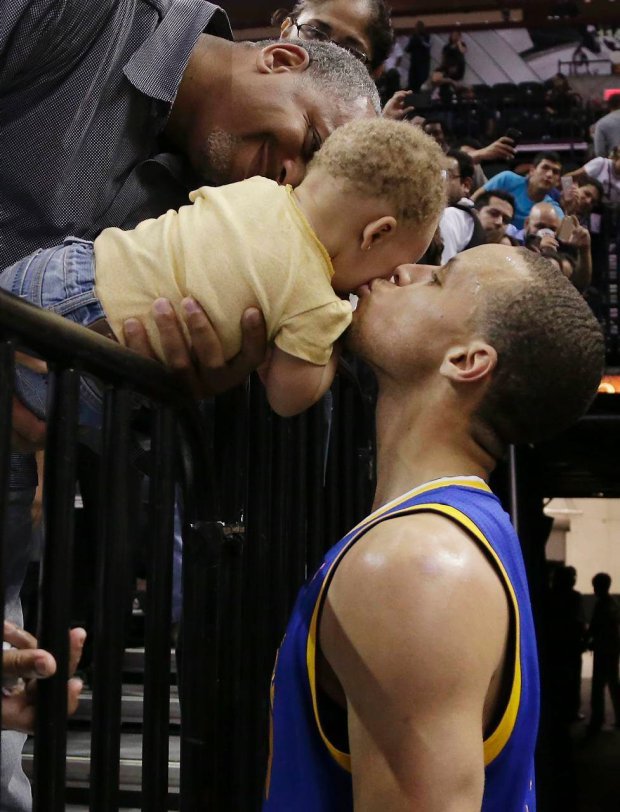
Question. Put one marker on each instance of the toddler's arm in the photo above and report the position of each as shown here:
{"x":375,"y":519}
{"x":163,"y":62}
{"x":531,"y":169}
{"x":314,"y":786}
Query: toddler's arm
{"x":293,"y":385}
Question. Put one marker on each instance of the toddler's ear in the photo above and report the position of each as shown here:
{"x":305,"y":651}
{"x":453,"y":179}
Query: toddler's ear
{"x":377,"y":230}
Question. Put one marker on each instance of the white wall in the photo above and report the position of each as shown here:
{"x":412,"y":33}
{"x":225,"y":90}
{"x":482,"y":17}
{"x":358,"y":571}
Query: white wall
{"x":593,"y":540}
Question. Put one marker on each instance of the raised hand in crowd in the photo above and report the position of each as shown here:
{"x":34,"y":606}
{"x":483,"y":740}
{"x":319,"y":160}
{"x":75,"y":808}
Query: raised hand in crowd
{"x":202,"y":369}
{"x":571,"y":200}
{"x":26,"y":664}
{"x":580,"y":238}
{"x":503,"y":149}
{"x":395,"y":107}
{"x":548,"y":242}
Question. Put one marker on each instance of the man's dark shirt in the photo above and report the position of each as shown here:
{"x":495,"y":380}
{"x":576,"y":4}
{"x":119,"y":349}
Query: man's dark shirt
{"x":86,"y":87}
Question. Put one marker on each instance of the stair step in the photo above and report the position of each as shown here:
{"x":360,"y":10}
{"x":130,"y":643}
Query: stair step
{"x":80,"y":808}
{"x":133,"y":661}
{"x":132,"y":705}
{"x":78,"y":760}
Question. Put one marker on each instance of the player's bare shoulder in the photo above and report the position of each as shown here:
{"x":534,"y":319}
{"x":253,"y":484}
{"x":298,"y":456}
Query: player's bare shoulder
{"x":421,"y":582}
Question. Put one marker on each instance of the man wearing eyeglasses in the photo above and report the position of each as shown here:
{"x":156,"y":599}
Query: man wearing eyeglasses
{"x":495,"y":211}
{"x":459,"y":225}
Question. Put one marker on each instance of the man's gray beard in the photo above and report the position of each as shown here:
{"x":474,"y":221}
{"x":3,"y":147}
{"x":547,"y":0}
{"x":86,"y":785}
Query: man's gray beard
{"x":217,"y":156}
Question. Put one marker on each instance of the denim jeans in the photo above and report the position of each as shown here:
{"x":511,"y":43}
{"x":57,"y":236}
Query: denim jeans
{"x":60,"y":279}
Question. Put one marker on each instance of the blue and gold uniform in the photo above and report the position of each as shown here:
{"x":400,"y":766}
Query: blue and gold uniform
{"x":309,"y":765}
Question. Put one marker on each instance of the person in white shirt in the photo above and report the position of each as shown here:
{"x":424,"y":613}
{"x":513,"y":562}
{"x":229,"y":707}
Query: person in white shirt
{"x":459,"y":226}
{"x":607,"y":129}
{"x":606,"y":171}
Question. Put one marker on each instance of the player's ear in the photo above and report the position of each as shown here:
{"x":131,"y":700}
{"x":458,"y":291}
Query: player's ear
{"x":377,"y":230}
{"x":469,"y":363}
{"x":282,"y":57}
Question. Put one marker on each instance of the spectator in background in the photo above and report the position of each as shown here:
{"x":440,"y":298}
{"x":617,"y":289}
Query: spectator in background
{"x":434,"y":128}
{"x":567,"y":630}
{"x":495,"y":211}
{"x":502,"y":149}
{"x":604,"y":640}
{"x":606,"y":171}
{"x":560,"y":98}
{"x":531,"y":188}
{"x":607,"y":129}
{"x":459,"y":226}
{"x":419,"y":50}
{"x":584,"y":195}
{"x":542,"y":234}
{"x":364,"y":28}
{"x":453,"y":57}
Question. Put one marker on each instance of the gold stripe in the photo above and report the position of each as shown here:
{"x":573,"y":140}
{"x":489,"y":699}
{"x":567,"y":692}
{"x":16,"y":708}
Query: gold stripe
{"x":340,"y":757}
{"x":495,"y":743}
{"x":272,"y":696}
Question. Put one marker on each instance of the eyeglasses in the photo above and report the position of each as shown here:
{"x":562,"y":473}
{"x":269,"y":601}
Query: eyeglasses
{"x":308,"y":31}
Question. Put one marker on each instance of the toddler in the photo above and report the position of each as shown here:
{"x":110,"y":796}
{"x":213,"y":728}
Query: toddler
{"x":370,"y":201}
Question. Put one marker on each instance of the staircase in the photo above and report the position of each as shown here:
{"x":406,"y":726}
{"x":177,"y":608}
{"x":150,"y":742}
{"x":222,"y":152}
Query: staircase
{"x":78,"y":739}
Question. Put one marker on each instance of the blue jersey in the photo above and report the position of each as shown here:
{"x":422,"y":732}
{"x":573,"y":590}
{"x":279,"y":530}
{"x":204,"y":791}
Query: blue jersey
{"x":309,"y":765}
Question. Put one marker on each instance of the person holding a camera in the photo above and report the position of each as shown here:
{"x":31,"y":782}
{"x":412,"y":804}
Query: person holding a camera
{"x":544,"y":233}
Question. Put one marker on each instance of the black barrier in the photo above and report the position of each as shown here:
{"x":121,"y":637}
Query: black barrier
{"x":251,"y":535}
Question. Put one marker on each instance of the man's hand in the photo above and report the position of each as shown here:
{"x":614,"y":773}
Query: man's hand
{"x":570,"y":200}
{"x":548,"y":243}
{"x":27,"y":663}
{"x":580,"y":238}
{"x":501,"y":150}
{"x":202,"y":369}
{"x":395,"y":107}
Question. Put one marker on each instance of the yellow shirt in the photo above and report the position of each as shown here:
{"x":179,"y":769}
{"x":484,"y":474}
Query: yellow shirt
{"x":241,"y":245}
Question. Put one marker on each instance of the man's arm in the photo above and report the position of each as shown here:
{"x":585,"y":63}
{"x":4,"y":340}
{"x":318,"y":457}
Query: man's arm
{"x":406,"y":608}
{"x":501,"y":149}
{"x":201,"y":368}
{"x":498,"y":181}
{"x":580,"y":239}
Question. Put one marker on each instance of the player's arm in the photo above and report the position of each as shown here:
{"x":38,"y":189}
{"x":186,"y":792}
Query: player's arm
{"x":414,"y":628}
{"x":292,"y":384}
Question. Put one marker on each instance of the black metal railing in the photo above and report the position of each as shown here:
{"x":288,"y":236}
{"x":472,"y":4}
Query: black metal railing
{"x":262,"y":501}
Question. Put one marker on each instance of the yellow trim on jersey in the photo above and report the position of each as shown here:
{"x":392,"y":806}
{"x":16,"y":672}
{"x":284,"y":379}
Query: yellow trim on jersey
{"x":495,"y":743}
{"x":272,"y":697}
{"x":340,"y":757}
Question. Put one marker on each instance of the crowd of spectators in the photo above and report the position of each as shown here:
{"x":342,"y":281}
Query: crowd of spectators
{"x":540,"y":202}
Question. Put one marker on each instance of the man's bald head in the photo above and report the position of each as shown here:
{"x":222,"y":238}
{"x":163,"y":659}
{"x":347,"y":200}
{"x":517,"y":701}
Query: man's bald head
{"x":542,"y":215}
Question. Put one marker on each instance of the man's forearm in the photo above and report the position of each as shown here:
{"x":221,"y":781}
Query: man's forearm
{"x":583,"y":269}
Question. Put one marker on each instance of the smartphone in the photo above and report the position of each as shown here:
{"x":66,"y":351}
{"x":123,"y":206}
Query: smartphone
{"x":419,"y":101}
{"x":566,"y":182}
{"x":567,"y":226}
{"x":514,"y":134}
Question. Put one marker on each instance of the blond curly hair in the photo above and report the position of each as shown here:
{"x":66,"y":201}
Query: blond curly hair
{"x":391,"y":160}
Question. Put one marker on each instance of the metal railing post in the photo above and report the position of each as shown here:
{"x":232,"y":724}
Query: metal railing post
{"x":56,"y":587}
